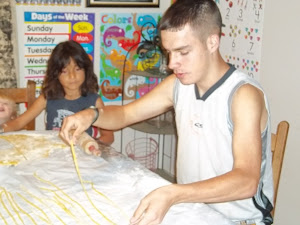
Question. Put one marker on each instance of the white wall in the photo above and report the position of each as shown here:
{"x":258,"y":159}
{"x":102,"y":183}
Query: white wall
{"x":280,"y":77}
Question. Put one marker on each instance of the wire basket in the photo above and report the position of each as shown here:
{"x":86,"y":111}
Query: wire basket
{"x":143,"y":150}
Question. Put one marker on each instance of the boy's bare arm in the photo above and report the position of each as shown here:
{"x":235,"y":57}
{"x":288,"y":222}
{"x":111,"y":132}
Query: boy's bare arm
{"x":114,"y":117}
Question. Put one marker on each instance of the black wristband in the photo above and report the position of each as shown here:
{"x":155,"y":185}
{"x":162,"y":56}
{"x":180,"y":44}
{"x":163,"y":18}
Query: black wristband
{"x":96,"y":113}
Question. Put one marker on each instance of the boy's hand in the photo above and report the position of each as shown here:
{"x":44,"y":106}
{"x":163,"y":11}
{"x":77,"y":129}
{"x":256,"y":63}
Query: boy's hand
{"x":74,"y":125}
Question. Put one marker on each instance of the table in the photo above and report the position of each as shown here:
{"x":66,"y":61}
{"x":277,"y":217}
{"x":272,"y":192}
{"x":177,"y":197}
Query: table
{"x":46,"y":189}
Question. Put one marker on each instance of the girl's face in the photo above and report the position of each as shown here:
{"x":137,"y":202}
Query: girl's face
{"x":71,"y":78}
{"x":6,"y":110}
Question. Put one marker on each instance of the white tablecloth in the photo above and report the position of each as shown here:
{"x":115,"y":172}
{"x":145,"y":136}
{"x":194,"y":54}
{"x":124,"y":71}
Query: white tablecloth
{"x":48,"y":190}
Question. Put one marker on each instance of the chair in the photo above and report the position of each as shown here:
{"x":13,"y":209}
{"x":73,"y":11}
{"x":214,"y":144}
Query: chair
{"x":23,"y":95}
{"x":278,"y":147}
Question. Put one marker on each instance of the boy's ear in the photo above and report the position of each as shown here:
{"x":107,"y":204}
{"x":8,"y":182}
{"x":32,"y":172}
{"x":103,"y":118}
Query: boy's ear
{"x":213,"y":43}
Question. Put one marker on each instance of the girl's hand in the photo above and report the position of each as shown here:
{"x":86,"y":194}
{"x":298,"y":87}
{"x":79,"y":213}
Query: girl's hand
{"x":74,"y":125}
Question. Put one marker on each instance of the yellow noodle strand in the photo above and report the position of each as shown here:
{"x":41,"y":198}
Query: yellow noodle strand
{"x":12,"y":205}
{"x":61,"y":198}
{"x":109,"y":200}
{"x":20,"y":151}
{"x":6,"y":209}
{"x":48,"y":182}
{"x":20,"y":209}
{"x":51,"y":200}
{"x":16,"y":141}
{"x":70,"y":203}
{"x":9,"y":163}
{"x":64,"y":200}
{"x":97,"y":208}
{"x":54,"y":192}
{"x":76,"y":165}
{"x":79,"y":175}
{"x":43,"y":203}
{"x":37,"y":198}
{"x":36,"y":207}
{"x":57,"y":216}
{"x":59,"y":201}
{"x":2,"y":217}
{"x":64,"y":208}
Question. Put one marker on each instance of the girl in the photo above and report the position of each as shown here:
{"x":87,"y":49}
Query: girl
{"x":70,"y":85}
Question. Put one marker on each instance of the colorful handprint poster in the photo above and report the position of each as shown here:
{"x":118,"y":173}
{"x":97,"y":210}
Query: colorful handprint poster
{"x":128,"y":43}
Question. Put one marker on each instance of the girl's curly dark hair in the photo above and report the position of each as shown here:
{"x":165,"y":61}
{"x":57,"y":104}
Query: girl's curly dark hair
{"x":59,"y":59}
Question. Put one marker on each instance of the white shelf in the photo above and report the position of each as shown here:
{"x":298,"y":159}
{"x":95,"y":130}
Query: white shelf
{"x":154,"y":72}
{"x":155,"y":127}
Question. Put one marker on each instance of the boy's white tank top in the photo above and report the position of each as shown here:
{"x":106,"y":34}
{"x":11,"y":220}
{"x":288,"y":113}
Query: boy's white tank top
{"x":204,"y":129}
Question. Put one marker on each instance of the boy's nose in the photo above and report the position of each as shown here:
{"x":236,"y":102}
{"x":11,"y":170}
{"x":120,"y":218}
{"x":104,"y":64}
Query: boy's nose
{"x":172,"y":62}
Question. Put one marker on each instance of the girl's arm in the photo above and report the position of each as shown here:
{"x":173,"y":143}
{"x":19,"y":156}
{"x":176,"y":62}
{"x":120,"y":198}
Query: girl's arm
{"x":106,"y":136}
{"x":21,"y":121}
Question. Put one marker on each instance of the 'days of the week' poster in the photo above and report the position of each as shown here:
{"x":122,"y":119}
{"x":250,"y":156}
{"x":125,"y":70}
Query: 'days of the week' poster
{"x":44,"y":30}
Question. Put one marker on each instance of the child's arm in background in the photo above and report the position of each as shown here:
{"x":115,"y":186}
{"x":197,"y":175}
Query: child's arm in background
{"x":21,"y":121}
{"x":106,"y":137}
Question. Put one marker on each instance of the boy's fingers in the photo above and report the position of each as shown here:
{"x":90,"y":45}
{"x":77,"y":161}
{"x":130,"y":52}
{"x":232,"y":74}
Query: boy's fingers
{"x":66,"y":131}
{"x":138,"y":214}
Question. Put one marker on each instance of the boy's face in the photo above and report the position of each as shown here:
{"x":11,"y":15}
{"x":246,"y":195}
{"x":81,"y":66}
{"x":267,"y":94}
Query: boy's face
{"x":188,"y":56}
{"x":6,"y":110}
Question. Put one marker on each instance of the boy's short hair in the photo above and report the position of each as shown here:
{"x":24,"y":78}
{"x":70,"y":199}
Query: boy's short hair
{"x":203,"y":16}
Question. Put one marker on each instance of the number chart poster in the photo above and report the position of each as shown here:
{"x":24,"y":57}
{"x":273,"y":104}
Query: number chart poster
{"x":128,"y":43}
{"x":44,"y":30}
{"x":242,"y":34}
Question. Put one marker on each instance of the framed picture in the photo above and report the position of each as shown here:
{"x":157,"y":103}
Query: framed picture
{"x":122,"y":3}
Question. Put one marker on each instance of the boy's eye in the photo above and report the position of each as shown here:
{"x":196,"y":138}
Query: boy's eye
{"x":165,"y":52}
{"x":184,"y":53}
